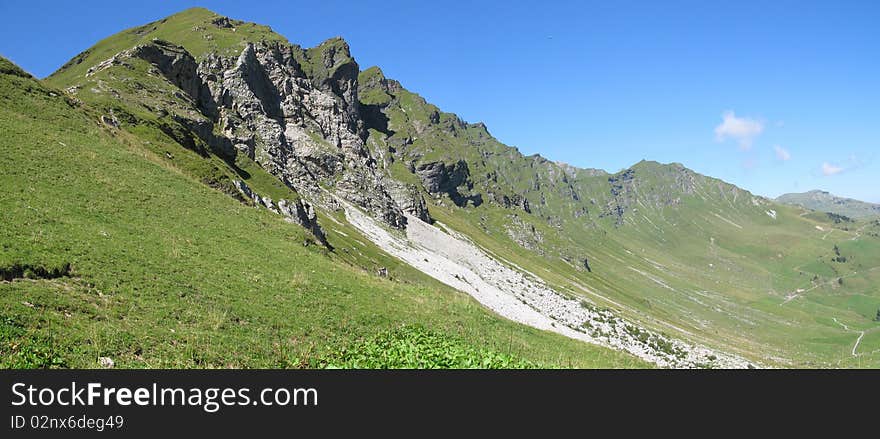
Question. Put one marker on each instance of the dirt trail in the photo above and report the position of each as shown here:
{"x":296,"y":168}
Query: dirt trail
{"x":797,"y":294}
{"x":858,"y":232}
{"x":858,"y":340}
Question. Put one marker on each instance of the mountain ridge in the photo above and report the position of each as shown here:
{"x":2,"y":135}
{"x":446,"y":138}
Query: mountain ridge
{"x":199,"y":18}
{"x":827,"y":202}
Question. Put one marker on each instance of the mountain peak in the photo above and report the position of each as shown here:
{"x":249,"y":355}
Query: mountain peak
{"x":332,"y":52}
{"x":336,"y":44}
{"x":825,"y":201}
{"x":200,"y":31}
{"x":196,"y":11}
{"x":658,"y":167}
{"x":374,"y":71}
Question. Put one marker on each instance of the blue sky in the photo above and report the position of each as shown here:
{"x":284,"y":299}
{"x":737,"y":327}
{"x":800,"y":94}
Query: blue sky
{"x":774,"y":96}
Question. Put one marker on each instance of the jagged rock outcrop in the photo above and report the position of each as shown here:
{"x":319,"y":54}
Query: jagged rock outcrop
{"x":223,"y":22}
{"x":410,"y":199}
{"x":300,"y":121}
{"x":439,"y":177}
{"x":172,"y":61}
{"x":179,"y":67}
{"x":524,"y":234}
{"x":622,"y":192}
{"x":253,"y":196}
{"x":299,"y":211}
{"x":296,"y":116}
{"x":303,"y":213}
{"x":295,"y":112}
{"x":509,"y":202}
{"x":451,"y":179}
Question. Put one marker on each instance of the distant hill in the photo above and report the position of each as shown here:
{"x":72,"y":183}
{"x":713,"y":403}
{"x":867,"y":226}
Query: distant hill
{"x":827,"y":202}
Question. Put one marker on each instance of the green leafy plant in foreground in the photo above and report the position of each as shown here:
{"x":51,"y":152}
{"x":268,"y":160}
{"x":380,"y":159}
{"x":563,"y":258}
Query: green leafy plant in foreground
{"x":18,"y":350}
{"x":412,"y":346}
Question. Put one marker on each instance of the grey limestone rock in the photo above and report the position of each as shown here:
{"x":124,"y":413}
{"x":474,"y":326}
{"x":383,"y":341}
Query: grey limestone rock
{"x":298,"y":118}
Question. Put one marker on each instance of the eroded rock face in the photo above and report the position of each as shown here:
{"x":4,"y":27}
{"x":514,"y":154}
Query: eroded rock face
{"x":451,"y":179}
{"x":303,"y":213}
{"x":441,"y":177}
{"x":296,"y":116}
{"x":524,"y":234}
{"x":299,"y":211}
{"x":179,"y":67}
{"x":295,"y":112}
{"x":409,"y":199}
{"x":304,"y":129}
{"x":621,"y":187}
{"x":509,"y":202}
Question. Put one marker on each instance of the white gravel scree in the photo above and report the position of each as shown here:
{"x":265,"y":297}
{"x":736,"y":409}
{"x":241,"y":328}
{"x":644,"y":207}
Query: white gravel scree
{"x":454,"y":260}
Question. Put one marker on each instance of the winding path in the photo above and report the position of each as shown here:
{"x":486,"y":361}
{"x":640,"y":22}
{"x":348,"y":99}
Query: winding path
{"x":796,"y":294}
{"x":858,"y":340}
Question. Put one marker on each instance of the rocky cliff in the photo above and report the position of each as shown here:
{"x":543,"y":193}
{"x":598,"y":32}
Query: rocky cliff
{"x":293,"y":111}
{"x":307,"y":130}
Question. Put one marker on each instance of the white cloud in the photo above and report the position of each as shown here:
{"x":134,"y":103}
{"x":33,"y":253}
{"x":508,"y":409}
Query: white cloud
{"x":742,"y":129}
{"x":829,"y":169}
{"x":782,"y":153}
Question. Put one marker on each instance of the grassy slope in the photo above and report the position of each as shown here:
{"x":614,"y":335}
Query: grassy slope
{"x":705,"y":261}
{"x":719,"y":284}
{"x":167,"y":272}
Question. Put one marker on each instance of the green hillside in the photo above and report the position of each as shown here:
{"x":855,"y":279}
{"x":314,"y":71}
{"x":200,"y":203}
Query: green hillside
{"x":678,"y":251}
{"x":108,"y":249}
